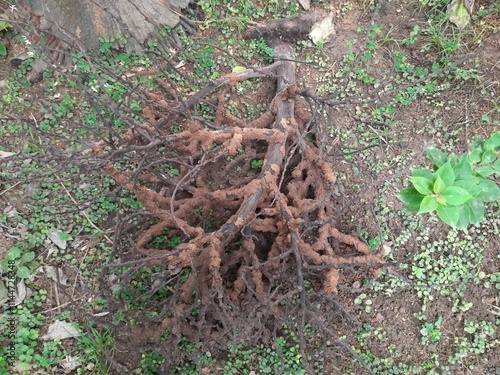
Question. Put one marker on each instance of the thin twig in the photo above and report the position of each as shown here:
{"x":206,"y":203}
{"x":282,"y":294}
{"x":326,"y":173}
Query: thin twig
{"x":12,"y":187}
{"x":58,"y":307}
{"x":85,"y":214}
{"x":79,"y":271}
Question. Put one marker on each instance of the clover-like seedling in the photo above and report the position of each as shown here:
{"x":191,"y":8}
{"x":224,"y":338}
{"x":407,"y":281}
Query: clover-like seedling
{"x":21,"y":263}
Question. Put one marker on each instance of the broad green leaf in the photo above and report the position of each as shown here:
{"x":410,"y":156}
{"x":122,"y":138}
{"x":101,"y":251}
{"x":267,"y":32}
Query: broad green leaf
{"x":428,"y":204}
{"x":485,"y":170}
{"x":441,"y":200}
{"x":5,"y":264}
{"x":496,"y":166}
{"x":449,"y":214}
{"x":64,"y":236}
{"x":423,"y":185}
{"x":28,"y":257}
{"x":3,"y":49}
{"x":475,"y":155}
{"x":455,"y":196}
{"x":439,"y":185}
{"x":476,"y":143}
{"x":460,"y":11}
{"x":488,"y":156}
{"x":453,"y":159}
{"x":437,"y":156}
{"x":422,"y":172}
{"x":463,"y":169}
{"x":471,"y":185}
{"x":489,"y":191}
{"x":446,"y":173}
{"x":23,"y":272}
{"x":463,"y":221}
{"x":13,"y":253}
{"x":474,"y":210}
{"x":493,"y":142}
{"x":411,"y":198}
{"x":23,"y":366}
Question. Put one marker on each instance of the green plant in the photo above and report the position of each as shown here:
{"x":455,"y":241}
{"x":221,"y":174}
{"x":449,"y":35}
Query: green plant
{"x":459,"y":186}
{"x":362,"y":299}
{"x":163,"y":241}
{"x":22,"y":263}
{"x":172,"y":170}
{"x":97,"y":346}
{"x":265,"y":359}
{"x":431,"y":331}
{"x":4,"y":24}
{"x":257,"y":163}
{"x":440,"y":35}
{"x":494,"y":280}
{"x":375,"y":242}
{"x":412,"y":38}
{"x":480,"y":338}
{"x":434,"y":3}
{"x":151,"y":362}
{"x":3,"y":49}
{"x":25,"y":340}
{"x":209,"y":7}
{"x":51,"y":354}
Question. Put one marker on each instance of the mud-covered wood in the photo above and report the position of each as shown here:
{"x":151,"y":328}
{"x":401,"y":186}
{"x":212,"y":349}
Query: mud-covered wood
{"x":263,"y":224}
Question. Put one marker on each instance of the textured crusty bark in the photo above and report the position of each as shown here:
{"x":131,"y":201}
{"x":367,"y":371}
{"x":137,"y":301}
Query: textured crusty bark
{"x":88,"y":20}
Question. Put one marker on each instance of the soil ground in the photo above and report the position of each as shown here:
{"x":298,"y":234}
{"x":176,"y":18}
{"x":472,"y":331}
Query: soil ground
{"x":450,"y":120}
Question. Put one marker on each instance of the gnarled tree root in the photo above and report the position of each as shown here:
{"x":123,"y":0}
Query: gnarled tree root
{"x":240,"y":234}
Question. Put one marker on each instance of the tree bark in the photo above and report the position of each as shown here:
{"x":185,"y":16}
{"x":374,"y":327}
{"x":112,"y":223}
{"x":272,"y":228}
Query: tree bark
{"x":88,"y":20}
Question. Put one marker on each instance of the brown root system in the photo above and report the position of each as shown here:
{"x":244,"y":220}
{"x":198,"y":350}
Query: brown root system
{"x":246,"y":231}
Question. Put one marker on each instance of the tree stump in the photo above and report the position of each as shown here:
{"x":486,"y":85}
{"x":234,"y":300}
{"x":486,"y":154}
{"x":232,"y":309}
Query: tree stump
{"x":85,"y":21}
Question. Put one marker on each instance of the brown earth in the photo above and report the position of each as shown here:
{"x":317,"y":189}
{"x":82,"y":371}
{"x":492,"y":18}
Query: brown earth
{"x":356,"y":185}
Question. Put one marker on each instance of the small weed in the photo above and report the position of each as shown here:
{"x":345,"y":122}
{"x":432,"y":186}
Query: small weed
{"x":151,"y":362}
{"x":269,"y":361}
{"x":431,"y":331}
{"x":4,"y":25}
{"x":375,"y":242}
{"x":96,"y":347}
{"x":22,"y":263}
{"x":28,"y":324}
{"x":164,"y":241}
{"x":363,"y":300}
{"x":458,"y":188}
{"x":481,"y":337}
{"x":256,"y":164}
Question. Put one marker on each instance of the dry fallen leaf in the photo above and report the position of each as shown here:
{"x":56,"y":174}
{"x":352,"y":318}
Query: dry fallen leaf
{"x":4,"y":295}
{"x":70,"y":363}
{"x":61,"y":330}
{"x":323,"y":30}
{"x":22,"y":292}
{"x":59,"y":238}
{"x":460,"y":12}
{"x":56,"y":274}
{"x":306,"y":4}
{"x":5,"y":154}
